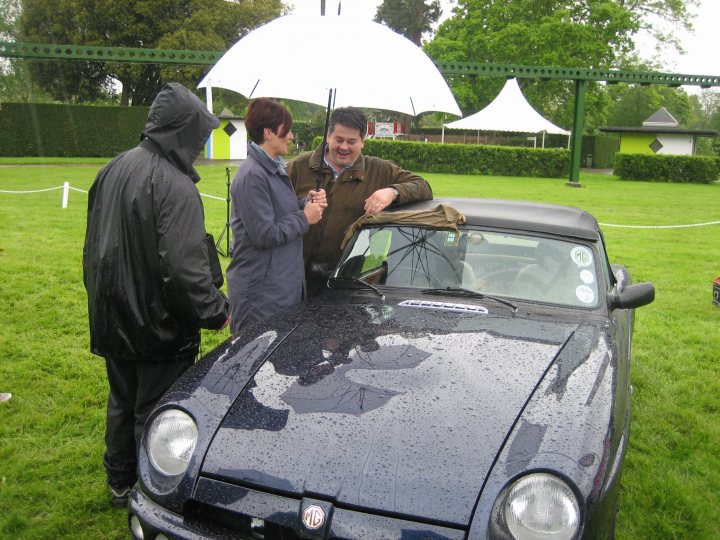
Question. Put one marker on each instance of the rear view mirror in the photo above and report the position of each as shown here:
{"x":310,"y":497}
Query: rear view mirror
{"x":632,"y":296}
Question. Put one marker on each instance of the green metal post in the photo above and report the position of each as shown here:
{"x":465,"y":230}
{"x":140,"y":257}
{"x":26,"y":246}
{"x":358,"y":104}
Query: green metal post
{"x":578,"y":126}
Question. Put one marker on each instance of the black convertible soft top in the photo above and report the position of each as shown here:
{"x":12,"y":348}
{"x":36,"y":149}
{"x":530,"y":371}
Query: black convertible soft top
{"x":519,"y":215}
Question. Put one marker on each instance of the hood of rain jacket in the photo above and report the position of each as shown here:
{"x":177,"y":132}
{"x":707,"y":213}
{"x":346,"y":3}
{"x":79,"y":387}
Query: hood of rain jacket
{"x":145,"y":261}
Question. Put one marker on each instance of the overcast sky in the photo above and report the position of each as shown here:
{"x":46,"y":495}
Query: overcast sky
{"x":702,"y":46}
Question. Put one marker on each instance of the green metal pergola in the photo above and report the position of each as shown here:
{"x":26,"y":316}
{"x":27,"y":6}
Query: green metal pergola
{"x":46,"y":51}
{"x":581,"y":78}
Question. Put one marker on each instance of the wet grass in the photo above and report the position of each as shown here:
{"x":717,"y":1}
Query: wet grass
{"x":52,"y":483}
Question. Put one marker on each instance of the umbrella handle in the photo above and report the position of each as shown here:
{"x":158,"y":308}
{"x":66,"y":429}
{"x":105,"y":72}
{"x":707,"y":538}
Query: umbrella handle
{"x":324,"y":135}
{"x":318,"y":175}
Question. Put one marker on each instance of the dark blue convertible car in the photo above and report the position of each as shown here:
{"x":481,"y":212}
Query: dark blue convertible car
{"x":465,"y":375}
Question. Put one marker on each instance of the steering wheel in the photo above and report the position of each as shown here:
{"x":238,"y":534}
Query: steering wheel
{"x":529,"y":281}
{"x":406,"y":276}
{"x":503,"y":278}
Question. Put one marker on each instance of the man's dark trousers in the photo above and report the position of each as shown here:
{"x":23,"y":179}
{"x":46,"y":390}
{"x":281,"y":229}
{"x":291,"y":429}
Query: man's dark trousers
{"x":135,"y":388}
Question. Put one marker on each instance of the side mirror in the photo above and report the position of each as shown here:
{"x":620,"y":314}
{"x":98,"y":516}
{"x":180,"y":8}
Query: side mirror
{"x":632,"y":296}
{"x":351,"y":267}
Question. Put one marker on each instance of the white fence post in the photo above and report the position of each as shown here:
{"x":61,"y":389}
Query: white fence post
{"x":66,"y":191}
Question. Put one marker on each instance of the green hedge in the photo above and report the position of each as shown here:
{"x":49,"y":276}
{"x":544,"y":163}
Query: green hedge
{"x":473,"y":159}
{"x":666,"y":168}
{"x":49,"y":130}
{"x":305,"y":132}
{"x":509,"y":138}
{"x":470,"y":158}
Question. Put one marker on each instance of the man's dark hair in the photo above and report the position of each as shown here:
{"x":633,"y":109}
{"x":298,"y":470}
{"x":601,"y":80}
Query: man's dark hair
{"x":350,"y":118}
{"x":266,"y":113}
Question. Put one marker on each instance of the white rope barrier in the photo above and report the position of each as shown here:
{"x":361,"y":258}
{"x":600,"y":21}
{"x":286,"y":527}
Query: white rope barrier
{"x":32,"y":191}
{"x":213,"y":197}
{"x":660,"y":226}
{"x":66,"y":187}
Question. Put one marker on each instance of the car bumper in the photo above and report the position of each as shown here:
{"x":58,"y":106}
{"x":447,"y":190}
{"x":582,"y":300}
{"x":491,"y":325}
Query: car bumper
{"x":157,"y":523}
{"x":223,"y":510}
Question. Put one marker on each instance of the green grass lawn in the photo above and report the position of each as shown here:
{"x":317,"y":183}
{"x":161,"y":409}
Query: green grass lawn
{"x":52,"y":483}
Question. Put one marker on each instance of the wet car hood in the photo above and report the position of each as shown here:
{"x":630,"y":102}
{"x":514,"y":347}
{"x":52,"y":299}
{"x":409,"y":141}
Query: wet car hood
{"x":392,"y":409}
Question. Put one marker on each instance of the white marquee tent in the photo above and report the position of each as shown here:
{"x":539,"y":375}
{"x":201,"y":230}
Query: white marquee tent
{"x":509,"y":111}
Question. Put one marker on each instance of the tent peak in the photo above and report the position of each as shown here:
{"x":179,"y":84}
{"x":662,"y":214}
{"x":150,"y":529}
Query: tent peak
{"x":509,"y":111}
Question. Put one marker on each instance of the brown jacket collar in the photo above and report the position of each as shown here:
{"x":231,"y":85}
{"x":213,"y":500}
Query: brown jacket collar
{"x":355,"y":171}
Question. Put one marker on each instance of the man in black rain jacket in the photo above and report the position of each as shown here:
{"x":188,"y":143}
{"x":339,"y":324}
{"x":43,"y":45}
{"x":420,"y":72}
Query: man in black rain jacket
{"x":146,"y":268}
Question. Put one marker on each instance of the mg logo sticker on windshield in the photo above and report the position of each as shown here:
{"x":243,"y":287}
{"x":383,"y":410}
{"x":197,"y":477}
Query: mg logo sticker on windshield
{"x":581,"y":256}
{"x":313,"y":517}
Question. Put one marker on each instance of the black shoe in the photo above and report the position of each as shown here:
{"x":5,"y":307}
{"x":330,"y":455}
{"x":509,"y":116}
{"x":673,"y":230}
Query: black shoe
{"x":119,"y":496}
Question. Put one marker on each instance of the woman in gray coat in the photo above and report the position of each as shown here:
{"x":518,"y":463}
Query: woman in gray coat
{"x":267,"y":272}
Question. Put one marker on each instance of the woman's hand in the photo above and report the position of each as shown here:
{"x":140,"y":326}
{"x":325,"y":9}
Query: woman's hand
{"x":313,"y":212}
{"x":317,"y":196}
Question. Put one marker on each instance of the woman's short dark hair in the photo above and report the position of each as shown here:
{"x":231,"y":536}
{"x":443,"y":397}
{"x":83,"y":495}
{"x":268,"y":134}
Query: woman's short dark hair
{"x":350,"y":118}
{"x":266,"y":113}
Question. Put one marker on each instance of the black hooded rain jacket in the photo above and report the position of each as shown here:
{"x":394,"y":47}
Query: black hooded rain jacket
{"x":145,"y":261}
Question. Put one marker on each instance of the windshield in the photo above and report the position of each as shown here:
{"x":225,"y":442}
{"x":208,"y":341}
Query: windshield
{"x":505,"y":264}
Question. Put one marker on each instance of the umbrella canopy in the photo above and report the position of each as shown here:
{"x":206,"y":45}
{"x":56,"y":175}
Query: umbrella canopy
{"x":509,"y":111}
{"x":305,"y":57}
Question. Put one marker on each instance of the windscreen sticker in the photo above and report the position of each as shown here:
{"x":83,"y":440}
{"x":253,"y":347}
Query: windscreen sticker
{"x":475,"y":238}
{"x":587,"y":276}
{"x":452,"y":239}
{"x":581,"y":256}
{"x":585,"y":294}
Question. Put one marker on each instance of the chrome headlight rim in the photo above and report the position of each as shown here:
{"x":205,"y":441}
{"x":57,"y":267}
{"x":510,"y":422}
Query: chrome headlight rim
{"x":547,"y":484}
{"x":170,"y":441}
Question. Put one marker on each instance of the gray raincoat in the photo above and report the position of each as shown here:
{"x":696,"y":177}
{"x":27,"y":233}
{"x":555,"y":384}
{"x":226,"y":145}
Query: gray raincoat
{"x":267,"y":272}
{"x":145,"y":261}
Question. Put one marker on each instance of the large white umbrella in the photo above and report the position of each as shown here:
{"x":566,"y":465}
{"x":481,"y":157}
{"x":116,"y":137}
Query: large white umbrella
{"x":364,"y":64}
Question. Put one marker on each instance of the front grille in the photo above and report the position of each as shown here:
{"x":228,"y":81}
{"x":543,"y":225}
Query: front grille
{"x":251,"y":514}
{"x":237,"y":525}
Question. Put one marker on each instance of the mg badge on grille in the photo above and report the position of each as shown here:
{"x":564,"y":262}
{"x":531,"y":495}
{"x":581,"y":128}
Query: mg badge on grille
{"x":313,"y":517}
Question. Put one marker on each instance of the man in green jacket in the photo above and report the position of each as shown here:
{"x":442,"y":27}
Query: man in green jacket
{"x":354,"y":184}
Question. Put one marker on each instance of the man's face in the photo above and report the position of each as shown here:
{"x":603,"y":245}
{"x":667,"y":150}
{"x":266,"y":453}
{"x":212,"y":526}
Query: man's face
{"x":344,"y":146}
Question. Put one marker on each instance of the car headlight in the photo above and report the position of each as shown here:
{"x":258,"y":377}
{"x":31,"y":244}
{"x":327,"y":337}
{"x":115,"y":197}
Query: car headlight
{"x":541,"y":506}
{"x":171,"y":440}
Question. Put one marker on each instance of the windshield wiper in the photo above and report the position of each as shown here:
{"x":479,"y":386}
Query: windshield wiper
{"x":332,"y":281}
{"x":460,"y":291}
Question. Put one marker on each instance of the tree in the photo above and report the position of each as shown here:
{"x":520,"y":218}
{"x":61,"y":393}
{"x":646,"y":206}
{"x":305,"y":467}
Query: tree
{"x":571,"y":33}
{"x":411,"y":18}
{"x":170,"y":24}
{"x":709,"y":104}
{"x":660,"y":17}
{"x":10,"y":10}
{"x":15,"y":83}
{"x":706,"y":106}
{"x":631,"y":105}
